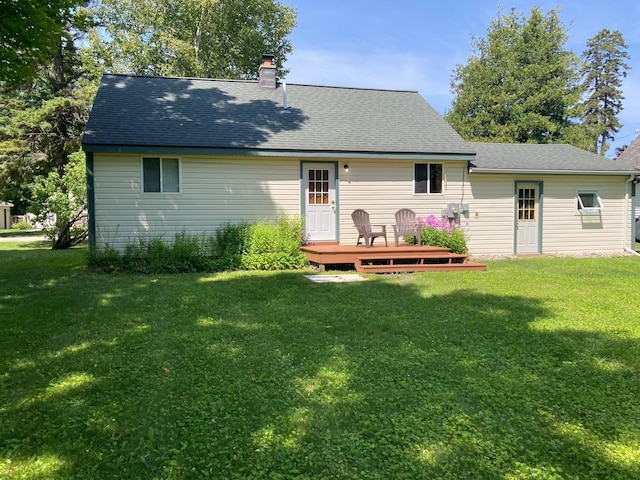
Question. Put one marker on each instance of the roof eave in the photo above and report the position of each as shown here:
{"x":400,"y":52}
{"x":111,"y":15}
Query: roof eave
{"x":550,"y":172}
{"x":178,"y":150}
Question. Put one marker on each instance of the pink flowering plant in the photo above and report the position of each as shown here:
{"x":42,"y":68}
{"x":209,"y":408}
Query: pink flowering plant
{"x":440,"y":232}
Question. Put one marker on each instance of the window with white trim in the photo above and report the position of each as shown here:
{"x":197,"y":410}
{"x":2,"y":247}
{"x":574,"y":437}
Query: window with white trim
{"x":161,"y":174}
{"x":588,"y":202}
{"x":428,"y":178}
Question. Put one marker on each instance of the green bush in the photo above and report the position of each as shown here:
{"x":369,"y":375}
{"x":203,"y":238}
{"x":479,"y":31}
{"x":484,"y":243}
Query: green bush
{"x":107,"y":259}
{"x":275,"y":245}
{"x":21,"y":225}
{"x":439,"y":232}
{"x":274,"y":261}
{"x":231,"y":239}
{"x":265,"y":245}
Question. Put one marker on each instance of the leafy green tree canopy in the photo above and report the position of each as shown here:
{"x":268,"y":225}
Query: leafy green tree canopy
{"x":519,"y":84}
{"x":30,"y":32}
{"x":193,"y":38}
{"x":60,"y":203}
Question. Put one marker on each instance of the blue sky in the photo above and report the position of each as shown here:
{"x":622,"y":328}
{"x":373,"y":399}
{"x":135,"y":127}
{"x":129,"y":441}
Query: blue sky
{"x":416,"y":44}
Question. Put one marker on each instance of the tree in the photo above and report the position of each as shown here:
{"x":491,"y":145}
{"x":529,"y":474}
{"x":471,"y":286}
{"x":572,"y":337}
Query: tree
{"x":519,"y":84}
{"x":43,"y":115}
{"x":603,"y":69}
{"x":60,"y":203}
{"x":197,"y":38}
{"x":30,"y":31}
{"x":620,"y":150}
{"x":43,"y":118}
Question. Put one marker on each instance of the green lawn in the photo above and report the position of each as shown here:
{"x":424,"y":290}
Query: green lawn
{"x":528,"y":370}
{"x":14,"y":232}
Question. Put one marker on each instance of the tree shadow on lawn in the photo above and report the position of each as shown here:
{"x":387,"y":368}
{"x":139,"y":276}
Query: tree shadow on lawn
{"x":238,"y":376}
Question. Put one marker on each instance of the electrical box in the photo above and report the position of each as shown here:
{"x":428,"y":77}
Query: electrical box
{"x":453,"y":209}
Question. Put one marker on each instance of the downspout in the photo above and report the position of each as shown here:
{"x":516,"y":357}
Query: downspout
{"x":628,"y":193}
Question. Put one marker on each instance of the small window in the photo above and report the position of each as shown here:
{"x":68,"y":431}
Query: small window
{"x":427,"y":178}
{"x":588,"y":202}
{"x":161,"y":175}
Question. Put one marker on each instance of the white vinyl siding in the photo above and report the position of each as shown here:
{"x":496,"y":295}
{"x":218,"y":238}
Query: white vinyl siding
{"x":384,"y":187}
{"x":213,"y":191}
{"x":217,"y":190}
{"x":564,"y":231}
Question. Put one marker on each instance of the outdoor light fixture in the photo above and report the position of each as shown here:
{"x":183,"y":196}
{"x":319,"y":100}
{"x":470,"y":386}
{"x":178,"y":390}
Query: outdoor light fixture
{"x":346,"y":168}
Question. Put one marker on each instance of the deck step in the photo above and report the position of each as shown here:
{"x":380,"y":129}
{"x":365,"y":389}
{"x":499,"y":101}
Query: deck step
{"x":416,"y":267}
{"x":446,"y":257}
{"x":415,"y":262}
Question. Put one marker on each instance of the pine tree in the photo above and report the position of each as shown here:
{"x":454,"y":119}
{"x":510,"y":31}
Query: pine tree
{"x":603,"y":68}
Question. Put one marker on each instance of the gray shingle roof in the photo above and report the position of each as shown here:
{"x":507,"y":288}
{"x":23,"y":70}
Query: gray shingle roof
{"x":204,"y":113}
{"x":549,"y":158}
{"x":631,"y":154}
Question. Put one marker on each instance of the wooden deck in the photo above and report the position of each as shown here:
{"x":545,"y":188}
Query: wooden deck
{"x":391,"y":259}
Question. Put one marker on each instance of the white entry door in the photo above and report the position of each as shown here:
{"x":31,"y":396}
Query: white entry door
{"x":527,"y":215}
{"x":319,"y":180}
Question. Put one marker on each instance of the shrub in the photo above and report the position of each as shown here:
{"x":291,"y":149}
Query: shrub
{"x":276,"y":245}
{"x":265,"y":245}
{"x":21,"y":225}
{"x":284,"y":235}
{"x":440,"y":232}
{"x":107,"y":259}
{"x":231,"y":239}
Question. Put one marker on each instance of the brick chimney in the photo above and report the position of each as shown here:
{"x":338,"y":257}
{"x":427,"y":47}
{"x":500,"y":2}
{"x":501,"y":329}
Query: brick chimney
{"x":267,"y":72}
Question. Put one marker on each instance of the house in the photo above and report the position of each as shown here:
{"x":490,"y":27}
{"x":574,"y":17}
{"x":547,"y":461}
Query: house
{"x":166,"y":155}
{"x":631,"y":157}
{"x":5,"y":215}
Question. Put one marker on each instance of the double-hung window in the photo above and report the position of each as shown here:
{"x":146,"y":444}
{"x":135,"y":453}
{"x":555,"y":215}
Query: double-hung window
{"x":427,"y":178}
{"x":161,"y":174}
{"x":588,"y":202}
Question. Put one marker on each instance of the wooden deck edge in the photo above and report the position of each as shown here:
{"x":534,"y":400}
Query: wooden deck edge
{"x":411,"y":256}
{"x":429,"y":267}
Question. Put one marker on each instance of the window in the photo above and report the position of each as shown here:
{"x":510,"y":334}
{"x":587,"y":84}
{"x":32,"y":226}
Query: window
{"x":526,"y":204}
{"x":427,"y":178}
{"x":161,"y":174}
{"x":588,"y":202}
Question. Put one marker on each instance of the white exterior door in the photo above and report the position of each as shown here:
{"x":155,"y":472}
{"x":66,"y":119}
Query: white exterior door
{"x":527,"y":218}
{"x":319,"y":181}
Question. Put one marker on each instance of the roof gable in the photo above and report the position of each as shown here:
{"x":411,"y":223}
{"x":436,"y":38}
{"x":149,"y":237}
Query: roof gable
{"x":203,"y":113}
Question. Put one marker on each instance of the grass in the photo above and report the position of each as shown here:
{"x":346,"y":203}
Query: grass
{"x":14,"y":232}
{"x":528,"y":370}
